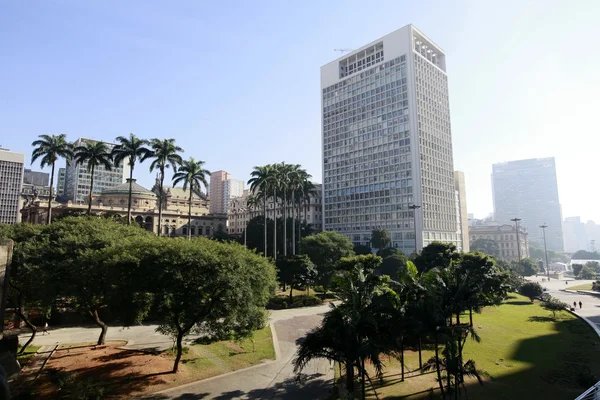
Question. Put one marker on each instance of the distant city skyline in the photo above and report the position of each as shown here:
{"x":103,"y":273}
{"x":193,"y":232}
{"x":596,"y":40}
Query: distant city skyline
{"x":105,"y":69}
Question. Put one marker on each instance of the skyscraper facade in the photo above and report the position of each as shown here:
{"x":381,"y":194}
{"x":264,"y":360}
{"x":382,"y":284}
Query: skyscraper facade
{"x":527,"y":189}
{"x":222,"y":189}
{"x":387,"y":142}
{"x":77,"y":177}
{"x":463,"y":217}
{"x":11,"y":181}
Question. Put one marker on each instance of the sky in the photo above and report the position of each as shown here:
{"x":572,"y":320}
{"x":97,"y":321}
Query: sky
{"x":237,"y":83}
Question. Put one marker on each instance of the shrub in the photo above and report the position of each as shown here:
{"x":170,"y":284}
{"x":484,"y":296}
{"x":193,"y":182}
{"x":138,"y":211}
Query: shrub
{"x":596,"y":286}
{"x":531,"y":290}
{"x":281,"y":302}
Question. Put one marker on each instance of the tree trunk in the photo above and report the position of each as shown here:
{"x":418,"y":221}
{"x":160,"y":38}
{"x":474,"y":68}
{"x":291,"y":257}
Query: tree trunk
{"x":420,"y":354}
{"x":291,"y":290}
{"x":299,"y":230}
{"x":97,"y":321}
{"x":91,"y":190}
{"x":458,"y":318}
{"x":129,"y":195}
{"x":190,"y":217}
{"x":471,"y":317}
{"x":363,"y":378}
{"x":293,"y":225}
{"x":437,"y":364}
{"x":29,"y":325}
{"x":402,"y":356}
{"x":160,"y":199}
{"x":275,"y":224}
{"x":49,"y":216}
{"x":285,"y":243}
{"x":350,"y":377}
{"x":179,"y":350}
{"x":265,"y":212}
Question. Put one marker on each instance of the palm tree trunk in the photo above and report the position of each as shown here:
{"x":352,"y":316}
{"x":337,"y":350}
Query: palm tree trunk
{"x":363,"y":379}
{"x":190,"y":217}
{"x":291,"y":296}
{"x":275,"y":224}
{"x":350,"y":377}
{"x":91,"y":190}
{"x":293,"y":225}
{"x":49,"y":216}
{"x":129,"y":196}
{"x":420,"y":353}
{"x":299,"y":230}
{"x":284,"y":205}
{"x":437,"y":363}
{"x":265,"y":214}
{"x":160,"y":199}
{"x":471,"y":317}
{"x":402,"y":356}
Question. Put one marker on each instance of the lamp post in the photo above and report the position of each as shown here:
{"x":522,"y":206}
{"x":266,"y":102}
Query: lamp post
{"x":516,"y":221}
{"x":544,"y":226}
{"x":415,"y":207}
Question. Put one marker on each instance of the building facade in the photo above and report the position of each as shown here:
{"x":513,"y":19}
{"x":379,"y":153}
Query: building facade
{"x":11,"y":182}
{"x":580,"y":235}
{"x":113,"y":201}
{"x":240,"y":213}
{"x":387,"y":143}
{"x":527,"y":189}
{"x":505,"y":237}
{"x":60,"y":185}
{"x":36,"y":178}
{"x":463,"y":216}
{"x":222,"y":189}
{"x":77,"y":178}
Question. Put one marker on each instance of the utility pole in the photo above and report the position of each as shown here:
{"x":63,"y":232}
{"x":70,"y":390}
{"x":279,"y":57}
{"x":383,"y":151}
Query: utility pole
{"x":516,"y":221}
{"x":544,"y":226}
{"x":415,"y":207}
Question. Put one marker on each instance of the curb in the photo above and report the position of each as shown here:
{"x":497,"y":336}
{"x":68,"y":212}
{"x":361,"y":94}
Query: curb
{"x":590,"y":323}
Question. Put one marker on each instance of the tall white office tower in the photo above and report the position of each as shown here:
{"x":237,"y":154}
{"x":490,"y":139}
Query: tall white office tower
{"x":387,"y":143}
{"x":11,"y":181}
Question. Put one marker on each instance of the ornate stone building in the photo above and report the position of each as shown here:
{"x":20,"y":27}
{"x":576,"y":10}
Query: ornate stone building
{"x":144,"y":210}
{"x":505,"y":236}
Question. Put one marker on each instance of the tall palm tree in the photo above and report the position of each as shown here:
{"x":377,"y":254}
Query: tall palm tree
{"x":95,"y":154}
{"x":307,"y":190}
{"x":297,"y":179}
{"x":165,"y":154}
{"x":284,"y":172}
{"x":260,"y":186}
{"x":50,"y":148}
{"x":193,"y":176}
{"x":132,"y":149}
{"x":252,"y":202}
{"x":274,"y":184}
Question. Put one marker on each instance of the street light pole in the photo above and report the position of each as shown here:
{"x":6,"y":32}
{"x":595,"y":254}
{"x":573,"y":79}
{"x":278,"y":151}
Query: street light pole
{"x":415,"y":207}
{"x":544,"y":226}
{"x":516,"y":221}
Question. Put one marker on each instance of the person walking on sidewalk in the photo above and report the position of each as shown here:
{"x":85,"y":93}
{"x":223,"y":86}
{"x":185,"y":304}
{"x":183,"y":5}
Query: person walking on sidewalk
{"x":574,"y":304}
{"x":45,"y":328}
{"x":580,"y":304}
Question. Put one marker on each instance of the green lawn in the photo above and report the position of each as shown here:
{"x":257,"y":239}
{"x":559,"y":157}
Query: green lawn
{"x":526,"y":353}
{"x":29,"y":352}
{"x":587,"y":286}
{"x":217,"y":358}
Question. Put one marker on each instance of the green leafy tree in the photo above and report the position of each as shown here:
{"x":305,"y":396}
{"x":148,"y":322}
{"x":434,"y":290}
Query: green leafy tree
{"x":131,"y":149}
{"x":361,"y":249}
{"x":394,"y":266}
{"x":192,"y":175}
{"x":49,"y":148}
{"x":531,"y":290}
{"x":554,"y":305}
{"x":165,"y":154}
{"x":577,"y":269}
{"x":436,"y":255}
{"x":593,"y":265}
{"x":587,"y":273}
{"x":216,"y":289}
{"x":486,"y":246}
{"x":585,"y":255}
{"x":325,"y":249}
{"x":95,"y":154}
{"x":380,"y":238}
{"x":296,"y":271}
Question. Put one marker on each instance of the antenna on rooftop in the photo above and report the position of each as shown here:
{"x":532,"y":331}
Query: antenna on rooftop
{"x":342,"y":51}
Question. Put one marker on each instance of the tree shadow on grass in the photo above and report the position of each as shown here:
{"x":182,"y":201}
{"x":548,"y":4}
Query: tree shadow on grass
{"x":519,"y":303}
{"x":538,"y":318}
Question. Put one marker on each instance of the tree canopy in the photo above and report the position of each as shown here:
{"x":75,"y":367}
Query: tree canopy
{"x":380,"y":238}
{"x":325,"y":249}
{"x":486,"y":246}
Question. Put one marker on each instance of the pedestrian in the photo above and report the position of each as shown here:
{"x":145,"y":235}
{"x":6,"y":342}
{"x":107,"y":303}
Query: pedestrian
{"x":45,"y":328}
{"x":580,"y":304}
{"x":574,"y":304}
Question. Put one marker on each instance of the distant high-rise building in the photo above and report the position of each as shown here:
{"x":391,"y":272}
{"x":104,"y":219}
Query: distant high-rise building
{"x":463,"y":217}
{"x":527,"y":189}
{"x":222,"y":189}
{"x":60,"y":186}
{"x":77,"y":178}
{"x":387,"y":142}
{"x":11,"y":181}
{"x":36,"y":178}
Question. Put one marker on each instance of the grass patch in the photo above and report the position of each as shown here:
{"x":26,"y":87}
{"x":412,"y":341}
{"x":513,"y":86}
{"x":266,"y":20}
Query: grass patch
{"x":527,"y":354}
{"x":29,"y":352}
{"x":587,"y":286}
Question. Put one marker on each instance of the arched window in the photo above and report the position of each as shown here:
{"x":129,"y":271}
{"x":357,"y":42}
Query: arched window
{"x":200,"y":230}
{"x":207,"y":231}
{"x":193,"y":230}
{"x":184,"y":229}
{"x":166,"y":230}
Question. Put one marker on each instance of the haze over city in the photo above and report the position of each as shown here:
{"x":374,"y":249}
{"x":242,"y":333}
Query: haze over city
{"x":238,"y":86}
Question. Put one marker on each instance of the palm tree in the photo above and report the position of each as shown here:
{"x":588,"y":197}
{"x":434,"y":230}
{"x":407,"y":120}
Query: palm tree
{"x":193,"y":176}
{"x":274,"y":184}
{"x":50,"y":148}
{"x":259,"y":186}
{"x":164,"y":152}
{"x":95,"y":154}
{"x":298,"y":178}
{"x":308,"y":190}
{"x":283,"y":181}
{"x":251,"y":203}
{"x":132,"y":149}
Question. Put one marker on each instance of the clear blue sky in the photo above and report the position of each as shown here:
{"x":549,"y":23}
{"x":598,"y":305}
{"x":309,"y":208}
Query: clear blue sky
{"x":237,"y":83}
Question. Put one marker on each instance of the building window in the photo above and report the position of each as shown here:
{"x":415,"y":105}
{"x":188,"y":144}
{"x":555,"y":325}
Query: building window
{"x":184,"y":229}
{"x":193,"y":230}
